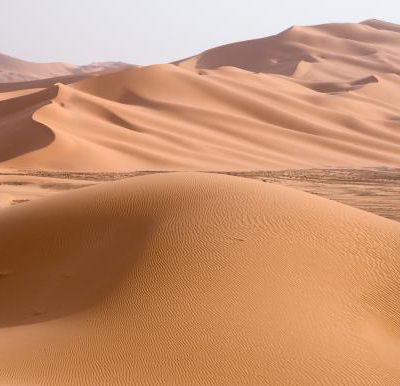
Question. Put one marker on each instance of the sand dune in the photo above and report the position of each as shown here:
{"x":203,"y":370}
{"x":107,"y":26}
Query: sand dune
{"x":196,"y":278}
{"x":169,"y":118}
{"x":201,"y":278}
{"x":328,"y":93}
{"x":241,"y":120}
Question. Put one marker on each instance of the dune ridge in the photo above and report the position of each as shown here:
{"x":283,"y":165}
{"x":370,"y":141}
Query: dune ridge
{"x":197,"y":278}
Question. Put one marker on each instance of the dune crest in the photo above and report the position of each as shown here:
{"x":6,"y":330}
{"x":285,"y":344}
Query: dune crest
{"x":192,"y":278}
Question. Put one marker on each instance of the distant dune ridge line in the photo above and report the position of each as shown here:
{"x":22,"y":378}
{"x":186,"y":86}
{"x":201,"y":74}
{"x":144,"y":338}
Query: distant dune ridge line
{"x":16,"y":70}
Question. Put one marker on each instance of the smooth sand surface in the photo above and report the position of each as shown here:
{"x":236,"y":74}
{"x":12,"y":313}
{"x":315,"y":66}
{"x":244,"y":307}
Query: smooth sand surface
{"x":321,"y":96}
{"x":195,"y":278}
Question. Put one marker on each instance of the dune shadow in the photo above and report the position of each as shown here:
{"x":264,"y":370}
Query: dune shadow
{"x":68,"y":279}
{"x":129,"y":97}
{"x":19,"y":133}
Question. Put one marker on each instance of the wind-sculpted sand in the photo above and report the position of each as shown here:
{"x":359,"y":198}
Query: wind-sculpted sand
{"x":197,"y":278}
{"x":133,"y":251}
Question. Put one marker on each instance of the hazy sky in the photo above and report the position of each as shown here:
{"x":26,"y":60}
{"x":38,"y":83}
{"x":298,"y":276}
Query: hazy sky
{"x":155,"y":31}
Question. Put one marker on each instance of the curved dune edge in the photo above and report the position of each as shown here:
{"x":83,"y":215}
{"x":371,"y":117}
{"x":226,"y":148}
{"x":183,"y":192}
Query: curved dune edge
{"x":193,"y":278}
{"x":20,"y":133}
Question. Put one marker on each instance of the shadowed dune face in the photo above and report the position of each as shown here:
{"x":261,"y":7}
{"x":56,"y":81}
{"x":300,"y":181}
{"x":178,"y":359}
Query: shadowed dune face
{"x":52,"y":277}
{"x":19,"y":133}
{"x":198,"y":279}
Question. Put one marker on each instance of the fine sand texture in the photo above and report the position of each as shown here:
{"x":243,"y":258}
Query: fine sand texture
{"x":310,"y":97}
{"x":195,"y":278}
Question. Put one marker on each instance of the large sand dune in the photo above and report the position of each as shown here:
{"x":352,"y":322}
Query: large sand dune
{"x":195,"y":278}
{"x":317,"y":96}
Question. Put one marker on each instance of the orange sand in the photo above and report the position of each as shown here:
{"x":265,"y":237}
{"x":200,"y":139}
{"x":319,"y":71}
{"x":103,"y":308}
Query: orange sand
{"x":196,"y":278}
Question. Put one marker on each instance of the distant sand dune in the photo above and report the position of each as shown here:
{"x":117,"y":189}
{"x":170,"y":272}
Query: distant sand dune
{"x":16,"y":70}
{"x":335,"y":52}
{"x":192,"y":278}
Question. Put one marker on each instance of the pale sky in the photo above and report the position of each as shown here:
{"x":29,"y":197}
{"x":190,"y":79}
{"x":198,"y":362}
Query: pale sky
{"x":157,"y":31}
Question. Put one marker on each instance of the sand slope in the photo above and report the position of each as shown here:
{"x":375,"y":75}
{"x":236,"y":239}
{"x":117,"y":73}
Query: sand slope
{"x":195,"y":278}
